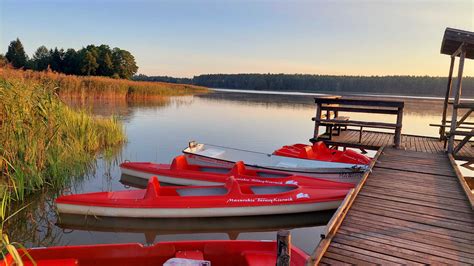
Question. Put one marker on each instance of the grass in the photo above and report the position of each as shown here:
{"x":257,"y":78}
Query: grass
{"x":101,"y":87}
{"x":43,"y":142}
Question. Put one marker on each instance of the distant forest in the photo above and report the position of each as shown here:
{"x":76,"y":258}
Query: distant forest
{"x":391,"y":85}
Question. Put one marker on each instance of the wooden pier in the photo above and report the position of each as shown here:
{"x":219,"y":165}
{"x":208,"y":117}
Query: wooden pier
{"x":374,"y":140}
{"x":414,"y":206}
{"x":411,"y":209}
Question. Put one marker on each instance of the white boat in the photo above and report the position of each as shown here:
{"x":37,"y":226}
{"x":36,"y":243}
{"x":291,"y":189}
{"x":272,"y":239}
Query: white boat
{"x":213,"y":155}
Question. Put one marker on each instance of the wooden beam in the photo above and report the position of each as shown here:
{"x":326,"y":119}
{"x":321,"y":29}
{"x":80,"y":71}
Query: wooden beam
{"x":463,"y":118}
{"x":461,"y":48}
{"x":336,"y":222}
{"x":283,"y":248}
{"x":457,"y":97}
{"x":462,"y":181}
{"x":442,"y":130}
{"x":398,"y":131}
{"x":357,"y":123}
{"x":360,"y":110}
{"x":379,"y":103}
{"x":317,"y":120}
{"x":462,"y":143}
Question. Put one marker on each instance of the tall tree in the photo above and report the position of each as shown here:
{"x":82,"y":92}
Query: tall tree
{"x":16,"y":54}
{"x":41,"y":58}
{"x":57,"y":58}
{"x":124,"y":63}
{"x":104,"y":59}
{"x":89,"y":64}
{"x":71,"y":62}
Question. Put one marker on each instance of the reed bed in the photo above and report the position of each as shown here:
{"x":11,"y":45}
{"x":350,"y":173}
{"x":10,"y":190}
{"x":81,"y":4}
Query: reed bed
{"x":85,"y":87}
{"x":43,"y":142}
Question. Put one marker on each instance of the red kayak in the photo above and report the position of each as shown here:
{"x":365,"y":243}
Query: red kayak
{"x":320,"y":152}
{"x":231,"y":199}
{"x":212,"y":252}
{"x":182,"y":173}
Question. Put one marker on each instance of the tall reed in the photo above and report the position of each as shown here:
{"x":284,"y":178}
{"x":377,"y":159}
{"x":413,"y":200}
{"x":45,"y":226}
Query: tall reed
{"x":43,"y":141}
{"x":102,"y":87}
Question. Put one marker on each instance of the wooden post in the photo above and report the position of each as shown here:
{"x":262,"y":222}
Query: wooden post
{"x":317,"y":121}
{"x":398,"y":131}
{"x":442,"y":129}
{"x":457,"y":98}
{"x":283,"y":248}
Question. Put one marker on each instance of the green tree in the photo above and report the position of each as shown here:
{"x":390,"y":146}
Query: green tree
{"x":89,"y":64}
{"x":124,"y":63}
{"x":57,"y":60}
{"x":41,"y":59}
{"x":71,"y":62}
{"x":16,"y":54}
{"x":104,"y":59}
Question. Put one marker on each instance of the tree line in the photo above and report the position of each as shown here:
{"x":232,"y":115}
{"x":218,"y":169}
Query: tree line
{"x":91,"y":60}
{"x":394,"y":85}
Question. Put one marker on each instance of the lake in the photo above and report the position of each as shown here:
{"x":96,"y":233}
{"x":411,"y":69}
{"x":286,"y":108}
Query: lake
{"x":159,"y":131}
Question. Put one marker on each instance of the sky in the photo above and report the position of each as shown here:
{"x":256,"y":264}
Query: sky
{"x":186,"y":38}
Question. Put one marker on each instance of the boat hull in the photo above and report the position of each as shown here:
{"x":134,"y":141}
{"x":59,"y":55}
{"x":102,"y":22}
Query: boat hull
{"x":138,"y":173}
{"x":346,"y":177}
{"x":231,"y":199}
{"x":195,"y":212}
{"x":217,"y":252}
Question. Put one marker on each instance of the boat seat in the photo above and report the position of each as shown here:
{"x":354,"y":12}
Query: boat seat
{"x":190,"y":254}
{"x":259,"y":258}
{"x":214,"y":170}
{"x":261,"y":190}
{"x":180,"y":163}
{"x":153,"y":188}
{"x":211,"y":191}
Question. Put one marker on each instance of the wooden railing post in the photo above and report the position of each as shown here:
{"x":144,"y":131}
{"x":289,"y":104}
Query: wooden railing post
{"x":457,"y":97}
{"x":442,"y":129}
{"x":283,"y":248}
{"x":398,"y":130}
{"x":317,"y":121}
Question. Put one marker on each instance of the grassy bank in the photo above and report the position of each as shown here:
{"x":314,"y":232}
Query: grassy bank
{"x":101,"y":87}
{"x":43,"y":142}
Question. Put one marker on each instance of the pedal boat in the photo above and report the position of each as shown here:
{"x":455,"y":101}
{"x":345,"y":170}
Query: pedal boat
{"x":205,"y":252}
{"x":180,"y":172}
{"x":206,"y":154}
{"x":231,"y":199}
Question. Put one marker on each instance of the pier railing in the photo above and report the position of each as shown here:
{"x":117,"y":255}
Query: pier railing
{"x":334,"y":123}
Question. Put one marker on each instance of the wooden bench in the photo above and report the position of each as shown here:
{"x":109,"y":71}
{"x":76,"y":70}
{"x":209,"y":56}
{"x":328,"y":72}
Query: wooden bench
{"x":338,"y":122}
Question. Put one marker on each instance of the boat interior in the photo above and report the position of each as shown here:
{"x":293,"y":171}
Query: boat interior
{"x":181,"y":163}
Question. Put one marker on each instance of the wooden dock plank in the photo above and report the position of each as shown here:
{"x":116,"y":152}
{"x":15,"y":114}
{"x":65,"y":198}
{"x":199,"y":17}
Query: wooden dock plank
{"x":410,"y":233}
{"x":410,"y":210}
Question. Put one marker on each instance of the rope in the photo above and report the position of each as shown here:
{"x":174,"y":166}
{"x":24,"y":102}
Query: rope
{"x":256,"y":152}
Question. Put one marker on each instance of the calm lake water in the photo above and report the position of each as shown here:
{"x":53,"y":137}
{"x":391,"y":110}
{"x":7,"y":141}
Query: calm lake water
{"x":159,"y":131}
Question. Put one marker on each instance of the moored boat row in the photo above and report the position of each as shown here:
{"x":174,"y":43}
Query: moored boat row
{"x":211,"y":181}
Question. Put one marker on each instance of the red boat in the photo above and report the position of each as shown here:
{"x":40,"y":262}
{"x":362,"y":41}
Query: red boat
{"x":231,"y":199}
{"x":182,"y":173}
{"x":212,"y":252}
{"x":320,"y":152}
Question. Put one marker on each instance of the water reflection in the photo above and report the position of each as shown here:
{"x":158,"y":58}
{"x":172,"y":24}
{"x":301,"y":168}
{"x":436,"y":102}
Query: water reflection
{"x":158,"y":132}
{"x":232,"y":226}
